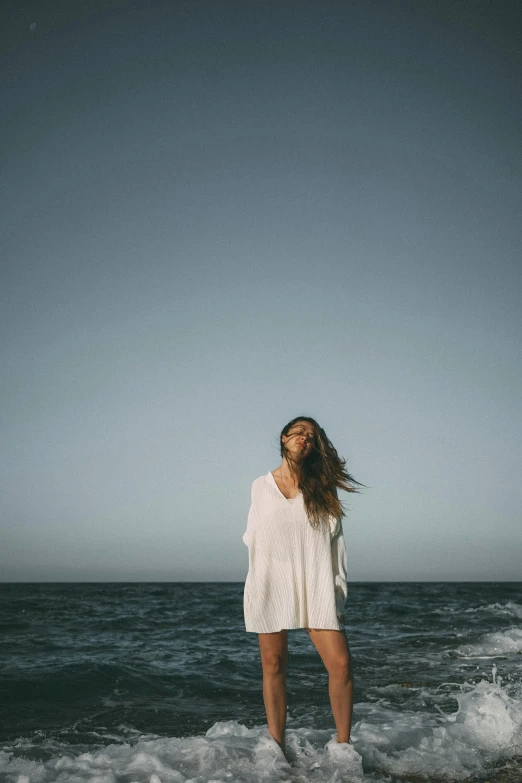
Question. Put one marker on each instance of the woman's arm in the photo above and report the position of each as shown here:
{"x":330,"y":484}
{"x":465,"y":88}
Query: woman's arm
{"x":247,"y":535}
{"x":339,"y":570}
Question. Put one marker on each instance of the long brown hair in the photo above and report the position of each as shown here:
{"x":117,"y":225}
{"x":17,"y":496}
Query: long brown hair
{"x":320,"y":475}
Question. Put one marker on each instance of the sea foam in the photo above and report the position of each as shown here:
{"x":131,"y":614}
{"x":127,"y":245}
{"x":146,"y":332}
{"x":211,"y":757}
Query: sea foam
{"x":493,"y":645}
{"x":509,"y":609}
{"x":486,"y":728}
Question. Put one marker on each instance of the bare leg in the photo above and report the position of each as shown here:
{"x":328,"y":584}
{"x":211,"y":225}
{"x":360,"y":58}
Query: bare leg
{"x":274,"y":658}
{"x":333,"y":648}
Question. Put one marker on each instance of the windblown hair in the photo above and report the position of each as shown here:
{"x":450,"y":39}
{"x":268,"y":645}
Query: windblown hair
{"x":320,"y":475}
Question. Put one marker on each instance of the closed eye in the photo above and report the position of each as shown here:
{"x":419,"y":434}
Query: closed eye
{"x":309,"y":435}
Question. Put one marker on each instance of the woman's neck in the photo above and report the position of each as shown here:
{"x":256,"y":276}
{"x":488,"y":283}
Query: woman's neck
{"x":287,"y":474}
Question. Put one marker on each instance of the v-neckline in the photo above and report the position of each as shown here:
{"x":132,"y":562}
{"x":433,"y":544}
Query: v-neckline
{"x":288,"y":500}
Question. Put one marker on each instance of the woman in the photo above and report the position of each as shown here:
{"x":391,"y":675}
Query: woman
{"x":297,"y":568}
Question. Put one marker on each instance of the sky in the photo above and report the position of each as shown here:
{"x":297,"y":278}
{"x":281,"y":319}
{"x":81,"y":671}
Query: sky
{"x":218,"y":216}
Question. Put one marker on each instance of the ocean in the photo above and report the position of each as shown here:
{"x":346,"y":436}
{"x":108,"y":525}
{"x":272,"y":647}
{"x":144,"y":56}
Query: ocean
{"x":160,"y":683}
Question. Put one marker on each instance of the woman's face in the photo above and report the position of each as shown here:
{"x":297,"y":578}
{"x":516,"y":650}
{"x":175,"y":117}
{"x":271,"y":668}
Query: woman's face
{"x":300,"y":439}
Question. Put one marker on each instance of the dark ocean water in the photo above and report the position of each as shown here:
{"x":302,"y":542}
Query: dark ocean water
{"x":116,"y":683}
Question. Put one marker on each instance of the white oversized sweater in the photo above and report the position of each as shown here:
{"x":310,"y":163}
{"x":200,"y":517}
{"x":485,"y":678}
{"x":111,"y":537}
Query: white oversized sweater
{"x":297,"y":574}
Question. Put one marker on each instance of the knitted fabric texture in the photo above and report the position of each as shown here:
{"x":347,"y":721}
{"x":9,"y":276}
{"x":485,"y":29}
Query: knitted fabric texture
{"x":296,"y":574}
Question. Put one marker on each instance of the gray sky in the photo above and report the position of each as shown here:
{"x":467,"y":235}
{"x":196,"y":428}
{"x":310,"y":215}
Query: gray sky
{"x":216,"y":217}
